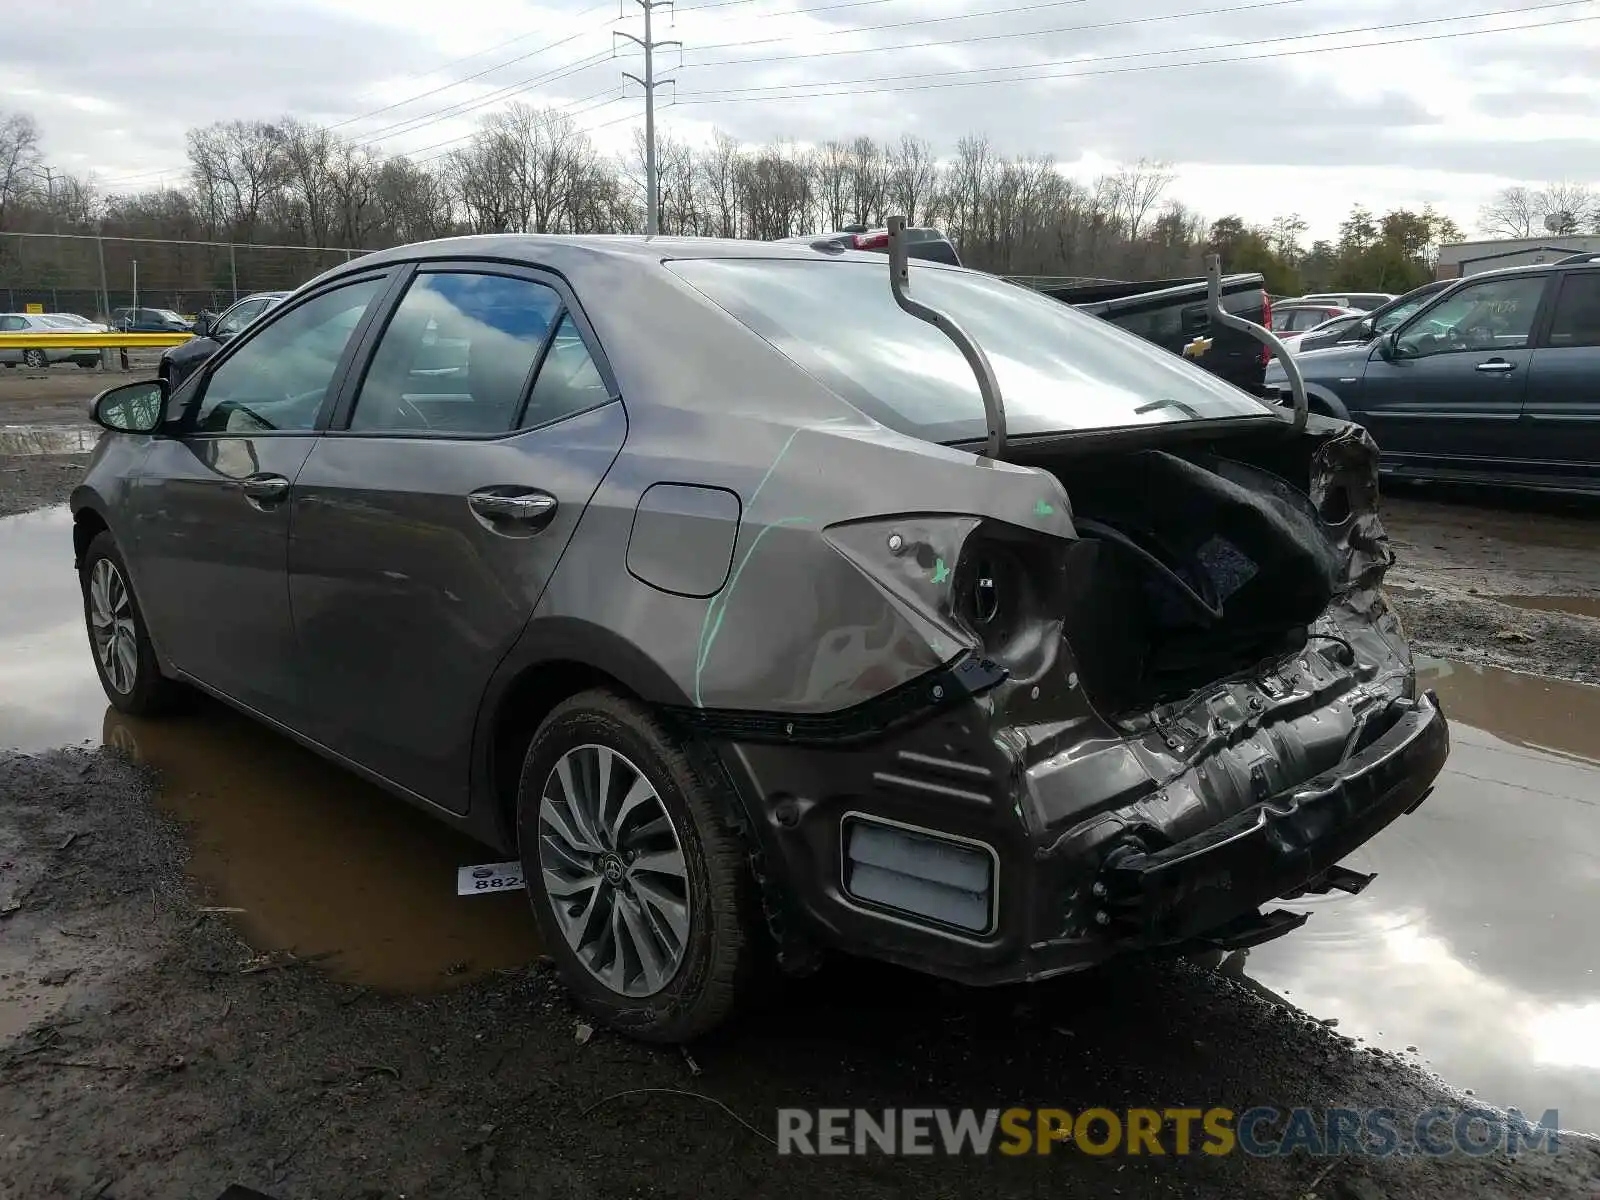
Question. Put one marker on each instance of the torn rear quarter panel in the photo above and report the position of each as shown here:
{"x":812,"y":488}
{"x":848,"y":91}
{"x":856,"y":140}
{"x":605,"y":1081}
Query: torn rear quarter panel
{"x":1205,"y":644}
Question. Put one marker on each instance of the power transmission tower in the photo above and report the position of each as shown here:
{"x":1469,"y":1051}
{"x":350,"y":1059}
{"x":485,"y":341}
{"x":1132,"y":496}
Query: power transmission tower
{"x":650,"y":83}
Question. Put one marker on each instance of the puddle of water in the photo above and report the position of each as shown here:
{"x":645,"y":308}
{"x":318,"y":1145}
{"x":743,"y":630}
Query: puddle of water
{"x":48,"y":439}
{"x":1476,"y":942}
{"x":319,"y":860}
{"x":322,"y":862}
{"x":49,"y":694}
{"x":1578,"y":606}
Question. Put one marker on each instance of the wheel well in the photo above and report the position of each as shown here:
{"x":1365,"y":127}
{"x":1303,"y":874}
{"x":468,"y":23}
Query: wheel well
{"x":527,"y":702}
{"x":86,"y":526}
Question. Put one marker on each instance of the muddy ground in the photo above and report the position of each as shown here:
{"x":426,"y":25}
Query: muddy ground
{"x":331,"y":1033}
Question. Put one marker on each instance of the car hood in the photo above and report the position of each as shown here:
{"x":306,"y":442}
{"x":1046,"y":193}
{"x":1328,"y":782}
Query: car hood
{"x":1321,"y":364}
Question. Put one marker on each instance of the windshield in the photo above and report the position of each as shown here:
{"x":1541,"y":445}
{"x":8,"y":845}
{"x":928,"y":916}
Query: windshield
{"x":1058,"y":369}
{"x":166,"y":314}
{"x":1400,"y":312}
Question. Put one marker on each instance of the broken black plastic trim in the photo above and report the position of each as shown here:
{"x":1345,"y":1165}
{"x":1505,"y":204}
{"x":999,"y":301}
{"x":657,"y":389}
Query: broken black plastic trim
{"x":934,"y":692}
{"x":1291,"y":842}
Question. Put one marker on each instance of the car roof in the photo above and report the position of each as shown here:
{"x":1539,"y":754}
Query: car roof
{"x":1561,"y":266}
{"x":555,"y":249}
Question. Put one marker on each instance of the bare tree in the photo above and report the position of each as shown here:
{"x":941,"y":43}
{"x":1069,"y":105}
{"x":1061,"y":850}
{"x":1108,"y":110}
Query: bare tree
{"x":913,"y":175}
{"x":19,"y":158}
{"x":1133,"y":193}
{"x":1520,"y":212}
{"x":720,"y":179}
{"x":1513,"y":213}
{"x":307,"y":202}
{"x":832,"y":163}
{"x":868,"y":177}
{"x":414,"y":202}
{"x":523,"y":171}
{"x":1565,"y":208}
{"x":235,"y":168}
{"x":776,"y":187}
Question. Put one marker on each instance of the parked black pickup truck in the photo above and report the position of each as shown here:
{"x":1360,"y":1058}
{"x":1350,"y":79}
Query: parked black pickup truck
{"x":1172,"y":313}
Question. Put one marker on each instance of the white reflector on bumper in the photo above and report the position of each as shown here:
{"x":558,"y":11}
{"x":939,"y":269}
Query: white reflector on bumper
{"x":918,"y":872}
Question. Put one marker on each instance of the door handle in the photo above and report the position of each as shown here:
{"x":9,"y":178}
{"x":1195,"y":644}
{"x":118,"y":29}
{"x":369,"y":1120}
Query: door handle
{"x":1495,"y":366}
{"x":264,"y":488}
{"x":525,"y":508}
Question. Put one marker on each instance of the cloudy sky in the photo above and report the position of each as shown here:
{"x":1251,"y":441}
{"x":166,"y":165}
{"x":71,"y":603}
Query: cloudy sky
{"x":1252,"y":101}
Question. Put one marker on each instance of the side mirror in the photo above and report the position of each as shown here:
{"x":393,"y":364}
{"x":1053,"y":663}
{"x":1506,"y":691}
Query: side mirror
{"x":131,"y":407}
{"x":205,"y":323}
{"x":1389,"y":346}
{"x":1363,"y":330}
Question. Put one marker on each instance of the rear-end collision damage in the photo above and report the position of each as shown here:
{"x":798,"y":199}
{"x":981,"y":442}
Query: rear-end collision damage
{"x":1170,"y":692}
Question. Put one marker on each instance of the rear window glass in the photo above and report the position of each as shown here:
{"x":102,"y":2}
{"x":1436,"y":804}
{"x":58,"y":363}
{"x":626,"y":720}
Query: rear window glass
{"x":1059,"y":370}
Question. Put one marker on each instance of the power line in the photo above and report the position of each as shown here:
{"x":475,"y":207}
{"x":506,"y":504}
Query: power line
{"x":707,"y":96}
{"x":793,"y":12}
{"x":970,"y":16}
{"x":990,"y":37}
{"x":462,"y":107}
{"x":478,"y":74}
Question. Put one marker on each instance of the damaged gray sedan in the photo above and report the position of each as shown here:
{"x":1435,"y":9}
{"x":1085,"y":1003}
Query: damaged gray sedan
{"x":763,"y":600}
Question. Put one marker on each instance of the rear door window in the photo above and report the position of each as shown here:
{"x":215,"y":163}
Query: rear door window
{"x":1577,"y":316}
{"x":457,"y":356}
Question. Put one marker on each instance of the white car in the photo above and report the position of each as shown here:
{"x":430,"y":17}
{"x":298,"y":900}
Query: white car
{"x":38,"y":357}
{"x":1292,"y":340}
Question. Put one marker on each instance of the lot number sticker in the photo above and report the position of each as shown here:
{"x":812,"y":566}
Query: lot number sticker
{"x":489,"y":878}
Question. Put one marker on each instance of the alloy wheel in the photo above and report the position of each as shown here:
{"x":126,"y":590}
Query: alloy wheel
{"x":111,"y":626}
{"x":36,"y":359}
{"x":613,"y":868}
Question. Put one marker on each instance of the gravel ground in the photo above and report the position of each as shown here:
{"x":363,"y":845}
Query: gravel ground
{"x":167,"y":1058}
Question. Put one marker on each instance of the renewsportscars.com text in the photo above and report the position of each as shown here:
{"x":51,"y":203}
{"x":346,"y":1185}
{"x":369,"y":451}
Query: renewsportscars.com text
{"x":1261,"y":1132}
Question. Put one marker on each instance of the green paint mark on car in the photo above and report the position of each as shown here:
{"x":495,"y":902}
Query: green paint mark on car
{"x":940,"y":571}
{"x":1043,"y":509}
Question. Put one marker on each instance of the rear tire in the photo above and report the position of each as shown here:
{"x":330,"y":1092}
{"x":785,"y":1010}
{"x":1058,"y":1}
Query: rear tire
{"x":35,"y":359}
{"x":124,"y":657}
{"x":640,"y":887}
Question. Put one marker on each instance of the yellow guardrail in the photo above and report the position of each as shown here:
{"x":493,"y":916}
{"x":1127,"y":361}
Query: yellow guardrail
{"x":90,"y":341}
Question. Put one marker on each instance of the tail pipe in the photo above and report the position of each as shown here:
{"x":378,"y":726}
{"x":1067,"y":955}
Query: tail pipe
{"x":1297,"y":383}
{"x":994,"y":408}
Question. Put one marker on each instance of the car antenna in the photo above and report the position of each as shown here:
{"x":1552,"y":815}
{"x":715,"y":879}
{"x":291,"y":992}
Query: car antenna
{"x":994,"y":408}
{"x":1297,"y":383}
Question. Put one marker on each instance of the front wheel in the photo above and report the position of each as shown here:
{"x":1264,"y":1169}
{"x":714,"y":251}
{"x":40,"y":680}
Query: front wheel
{"x":124,"y":656}
{"x":36,"y":359}
{"x":638,"y":882}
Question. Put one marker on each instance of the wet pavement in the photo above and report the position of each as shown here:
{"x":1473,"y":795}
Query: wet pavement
{"x":1476,"y":944}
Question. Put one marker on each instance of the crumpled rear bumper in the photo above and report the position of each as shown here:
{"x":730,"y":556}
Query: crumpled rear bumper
{"x":1200,"y":885}
{"x":1075,"y":891}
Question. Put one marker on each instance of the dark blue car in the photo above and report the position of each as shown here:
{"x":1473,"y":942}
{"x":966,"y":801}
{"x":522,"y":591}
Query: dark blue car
{"x":1492,"y":381}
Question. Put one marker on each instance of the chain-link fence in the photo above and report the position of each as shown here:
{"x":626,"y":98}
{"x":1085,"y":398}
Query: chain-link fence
{"x":91,"y":276}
